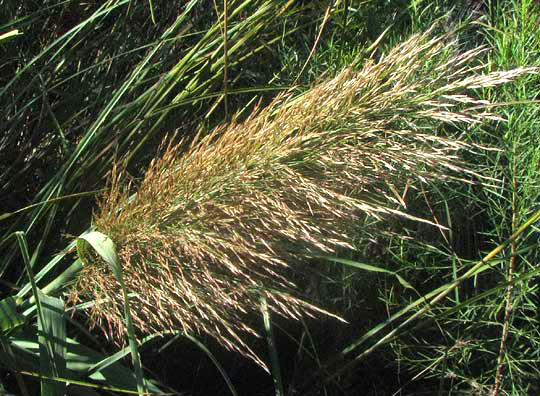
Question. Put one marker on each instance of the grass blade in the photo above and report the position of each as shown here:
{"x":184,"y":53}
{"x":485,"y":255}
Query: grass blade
{"x":9,"y":317}
{"x":104,"y":246}
{"x":275,"y":367}
{"x":52,"y":337}
{"x":215,"y":361}
{"x":9,"y":35}
{"x":367,"y":267}
{"x":51,"y":356}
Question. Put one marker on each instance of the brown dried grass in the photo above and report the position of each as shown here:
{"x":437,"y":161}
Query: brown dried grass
{"x":214,"y":227}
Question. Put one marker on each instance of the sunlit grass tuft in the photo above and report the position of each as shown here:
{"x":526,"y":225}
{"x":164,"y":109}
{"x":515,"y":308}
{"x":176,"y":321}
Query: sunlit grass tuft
{"x":235,"y":215}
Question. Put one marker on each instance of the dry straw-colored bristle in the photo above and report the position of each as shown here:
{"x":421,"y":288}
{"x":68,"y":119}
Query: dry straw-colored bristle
{"x":214,"y":227}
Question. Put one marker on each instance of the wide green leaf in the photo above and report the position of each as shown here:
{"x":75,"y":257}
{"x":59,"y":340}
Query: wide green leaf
{"x":52,"y":345}
{"x":104,"y":247}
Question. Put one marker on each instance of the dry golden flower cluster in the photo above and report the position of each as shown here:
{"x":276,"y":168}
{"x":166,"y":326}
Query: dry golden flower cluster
{"x":214,"y":227}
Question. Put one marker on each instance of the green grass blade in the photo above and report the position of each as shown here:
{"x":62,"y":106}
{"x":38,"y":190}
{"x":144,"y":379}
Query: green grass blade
{"x":64,"y":278}
{"x":52,"y":337}
{"x":82,"y":361}
{"x":367,"y":267}
{"x":215,"y":361}
{"x":274,"y":358}
{"x":108,"y":361}
{"x":83,"y":386}
{"x":4,"y":216}
{"x":152,"y":11}
{"x":9,"y":317}
{"x":9,"y":35}
{"x":48,"y":342}
{"x":50,"y":266}
{"x":104,"y":246}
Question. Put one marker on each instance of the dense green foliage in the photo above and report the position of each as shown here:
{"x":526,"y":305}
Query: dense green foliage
{"x":90,"y":90}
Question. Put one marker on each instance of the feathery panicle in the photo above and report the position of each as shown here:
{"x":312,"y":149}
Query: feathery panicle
{"x":233,"y":217}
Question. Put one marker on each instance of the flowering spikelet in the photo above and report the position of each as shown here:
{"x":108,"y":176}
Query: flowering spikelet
{"x":214,"y":227}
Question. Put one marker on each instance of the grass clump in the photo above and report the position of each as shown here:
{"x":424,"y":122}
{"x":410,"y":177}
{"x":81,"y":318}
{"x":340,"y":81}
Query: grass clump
{"x":235,"y":215}
{"x":490,"y":343}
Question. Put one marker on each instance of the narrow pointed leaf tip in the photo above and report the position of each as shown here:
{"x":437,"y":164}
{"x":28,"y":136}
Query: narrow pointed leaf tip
{"x":101,"y":243}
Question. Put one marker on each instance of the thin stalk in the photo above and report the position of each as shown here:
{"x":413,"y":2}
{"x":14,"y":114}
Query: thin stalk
{"x":509,"y":289}
{"x":323,"y":23}
{"x":89,"y":384}
{"x":21,"y":239}
{"x":276,"y":371}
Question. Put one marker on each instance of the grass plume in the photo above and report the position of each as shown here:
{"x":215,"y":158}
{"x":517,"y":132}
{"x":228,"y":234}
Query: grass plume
{"x":232,"y":217}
